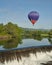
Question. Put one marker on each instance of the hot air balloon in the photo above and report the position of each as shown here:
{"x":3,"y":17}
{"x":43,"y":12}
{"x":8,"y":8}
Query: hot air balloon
{"x":33,"y":16}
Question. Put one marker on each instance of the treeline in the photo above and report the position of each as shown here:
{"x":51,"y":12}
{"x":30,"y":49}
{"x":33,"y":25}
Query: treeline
{"x":10,"y":30}
{"x":37,"y":32}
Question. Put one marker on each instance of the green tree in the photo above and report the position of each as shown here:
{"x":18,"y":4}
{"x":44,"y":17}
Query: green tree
{"x":13,"y":30}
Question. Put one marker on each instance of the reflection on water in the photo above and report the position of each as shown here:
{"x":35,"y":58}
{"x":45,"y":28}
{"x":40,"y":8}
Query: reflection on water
{"x":27,"y":56}
{"x":9,"y":44}
{"x":32,"y":42}
{"x":25,"y":42}
{"x":29,"y":51}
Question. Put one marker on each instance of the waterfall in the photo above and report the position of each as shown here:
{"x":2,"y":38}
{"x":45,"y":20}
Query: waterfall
{"x":33,"y":57}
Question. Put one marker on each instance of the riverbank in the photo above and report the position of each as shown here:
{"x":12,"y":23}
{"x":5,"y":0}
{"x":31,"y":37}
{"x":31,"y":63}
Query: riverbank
{"x":46,"y":35}
{"x":12,"y":30}
{"x":9,"y":31}
{"x":5,"y":37}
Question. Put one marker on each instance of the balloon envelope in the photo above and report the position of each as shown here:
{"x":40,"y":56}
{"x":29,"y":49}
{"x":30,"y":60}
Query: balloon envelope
{"x":33,"y":16}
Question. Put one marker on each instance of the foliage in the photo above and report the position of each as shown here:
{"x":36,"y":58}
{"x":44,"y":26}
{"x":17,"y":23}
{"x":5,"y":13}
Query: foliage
{"x":11,"y":30}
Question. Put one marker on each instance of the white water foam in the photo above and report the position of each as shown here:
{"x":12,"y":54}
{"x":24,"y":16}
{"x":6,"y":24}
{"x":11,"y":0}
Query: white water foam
{"x":33,"y":59}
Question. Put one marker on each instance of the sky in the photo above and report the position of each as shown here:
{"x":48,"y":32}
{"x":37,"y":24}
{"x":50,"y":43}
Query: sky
{"x":16,"y":11}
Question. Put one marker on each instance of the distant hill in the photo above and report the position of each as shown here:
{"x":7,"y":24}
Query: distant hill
{"x":31,"y":29}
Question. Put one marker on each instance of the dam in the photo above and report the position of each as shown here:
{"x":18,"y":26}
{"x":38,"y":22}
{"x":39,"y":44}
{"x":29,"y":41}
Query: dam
{"x":39,"y":55}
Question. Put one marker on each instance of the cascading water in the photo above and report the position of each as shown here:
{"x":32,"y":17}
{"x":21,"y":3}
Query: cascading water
{"x":35,"y":56}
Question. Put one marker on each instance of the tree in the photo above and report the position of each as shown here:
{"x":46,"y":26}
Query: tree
{"x":13,"y":30}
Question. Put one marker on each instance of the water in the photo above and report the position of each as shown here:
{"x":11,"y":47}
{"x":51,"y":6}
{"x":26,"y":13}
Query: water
{"x":25,"y":43}
{"x":29,"y":52}
{"x":36,"y":56}
{"x":32,"y":59}
{"x":32,"y":42}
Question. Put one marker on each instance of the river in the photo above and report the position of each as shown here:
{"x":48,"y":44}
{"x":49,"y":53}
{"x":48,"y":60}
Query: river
{"x":29,"y":52}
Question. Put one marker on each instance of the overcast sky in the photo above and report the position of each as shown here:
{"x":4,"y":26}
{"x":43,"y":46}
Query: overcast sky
{"x":17,"y":11}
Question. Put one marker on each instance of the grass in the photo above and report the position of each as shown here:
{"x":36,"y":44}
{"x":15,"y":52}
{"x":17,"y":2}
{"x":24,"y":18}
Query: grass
{"x":45,"y":35}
